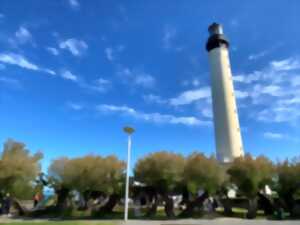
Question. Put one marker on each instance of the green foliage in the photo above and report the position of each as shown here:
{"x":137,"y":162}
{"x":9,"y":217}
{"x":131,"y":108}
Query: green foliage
{"x":251,"y":174}
{"x":288,"y":182}
{"x":88,"y":173}
{"x":201,"y":172}
{"x":18,"y":169}
{"x":162,"y":170}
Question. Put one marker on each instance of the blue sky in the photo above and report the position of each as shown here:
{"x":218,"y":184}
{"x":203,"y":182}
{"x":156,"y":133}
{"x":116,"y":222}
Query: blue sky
{"x":74,"y":72}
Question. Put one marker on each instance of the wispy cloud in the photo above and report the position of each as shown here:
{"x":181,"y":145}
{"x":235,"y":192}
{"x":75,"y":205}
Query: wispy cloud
{"x":271,"y":135}
{"x":168,"y":36}
{"x":75,"y":106}
{"x":21,"y":61}
{"x":11,"y":82}
{"x":2,"y":15}
{"x":279,"y":136}
{"x":257,"y":55}
{"x":23,"y":35}
{"x":53,"y":51}
{"x":98,"y":85}
{"x":273,"y":91}
{"x":286,"y":64}
{"x":68,"y":75}
{"x":152,"y":117}
{"x":76,"y":47}
{"x":151,"y":98}
{"x":136,"y":77}
{"x":112,"y":53}
{"x":74,"y":4}
{"x":190,"y":96}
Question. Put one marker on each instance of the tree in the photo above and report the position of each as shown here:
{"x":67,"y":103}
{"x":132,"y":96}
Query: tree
{"x":163,"y":171}
{"x":86,"y":175}
{"x":202,"y":173}
{"x":18,"y":171}
{"x":288,"y":184}
{"x":251,"y":175}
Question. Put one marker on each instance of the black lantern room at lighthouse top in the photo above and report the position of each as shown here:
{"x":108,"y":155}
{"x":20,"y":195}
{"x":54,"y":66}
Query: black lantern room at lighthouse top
{"x":216,"y":39}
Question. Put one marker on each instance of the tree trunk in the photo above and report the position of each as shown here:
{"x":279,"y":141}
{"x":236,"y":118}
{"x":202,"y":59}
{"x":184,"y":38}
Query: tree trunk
{"x":62,"y":199}
{"x":17,"y":205}
{"x":84,"y":198}
{"x":266,"y":204}
{"x":169,"y":207}
{"x":252,"y":208}
{"x":227,"y":206}
{"x":153,"y":207}
{"x":191,"y":205}
{"x":111,"y":203}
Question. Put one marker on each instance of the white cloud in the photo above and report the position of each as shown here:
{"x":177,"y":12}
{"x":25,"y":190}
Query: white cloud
{"x":136,"y":77}
{"x":99,"y":85}
{"x":109,"y":54}
{"x":279,"y":114}
{"x":152,"y":117}
{"x":76,"y":47}
{"x":271,"y":135}
{"x":2,"y":16}
{"x":68,"y":75}
{"x":15,"y":59}
{"x":194,"y":82}
{"x":21,"y":61}
{"x":53,"y":51}
{"x":75,"y":106}
{"x":144,"y":80}
{"x":286,"y":64}
{"x":168,"y":36}
{"x":74,"y":4}
{"x":191,"y":96}
{"x":23,"y":35}
{"x":241,"y":94}
{"x":13,"y":83}
{"x":207,"y":112}
{"x":154,"y":99}
{"x":248,"y":78}
{"x":272,"y":90}
{"x":112,"y":53}
{"x":51,"y":72}
{"x":295,"y":81}
{"x":257,"y":55}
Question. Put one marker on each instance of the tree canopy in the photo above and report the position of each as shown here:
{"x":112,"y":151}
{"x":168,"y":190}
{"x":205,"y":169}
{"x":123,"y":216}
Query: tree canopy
{"x":18,"y":169}
{"x":162,"y":170}
{"x":201,"y":172}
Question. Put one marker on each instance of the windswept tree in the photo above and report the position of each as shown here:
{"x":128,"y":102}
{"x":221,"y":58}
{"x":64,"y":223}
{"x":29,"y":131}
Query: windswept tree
{"x":201,"y":173}
{"x":288,"y":185}
{"x":251,"y":175}
{"x":88,"y":175}
{"x":18,"y":171}
{"x":162,"y":171}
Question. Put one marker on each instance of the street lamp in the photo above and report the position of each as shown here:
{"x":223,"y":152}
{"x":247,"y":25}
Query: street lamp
{"x":129,"y":131}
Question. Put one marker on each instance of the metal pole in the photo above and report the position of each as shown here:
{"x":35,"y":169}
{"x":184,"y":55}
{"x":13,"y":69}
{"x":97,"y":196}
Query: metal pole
{"x":127,"y":179}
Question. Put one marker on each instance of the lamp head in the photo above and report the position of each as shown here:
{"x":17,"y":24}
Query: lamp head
{"x":128,"y":130}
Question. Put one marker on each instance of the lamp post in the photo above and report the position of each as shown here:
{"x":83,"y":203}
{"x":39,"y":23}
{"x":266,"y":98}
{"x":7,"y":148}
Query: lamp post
{"x":128,"y":131}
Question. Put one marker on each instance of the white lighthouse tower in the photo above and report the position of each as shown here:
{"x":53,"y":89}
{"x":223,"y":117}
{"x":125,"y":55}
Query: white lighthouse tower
{"x":226,"y":123}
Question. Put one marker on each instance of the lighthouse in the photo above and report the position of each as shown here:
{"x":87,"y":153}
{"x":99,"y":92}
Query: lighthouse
{"x":226,"y":122}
